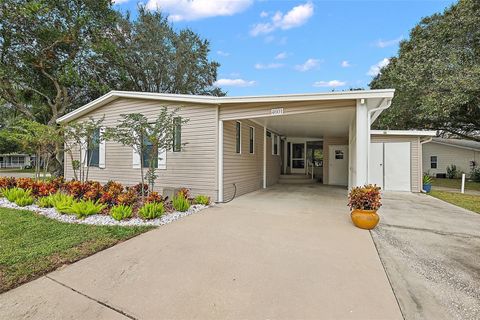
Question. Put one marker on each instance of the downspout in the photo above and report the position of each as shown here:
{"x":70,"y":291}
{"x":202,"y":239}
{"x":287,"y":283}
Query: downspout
{"x":372,"y":116}
{"x":421,"y":162}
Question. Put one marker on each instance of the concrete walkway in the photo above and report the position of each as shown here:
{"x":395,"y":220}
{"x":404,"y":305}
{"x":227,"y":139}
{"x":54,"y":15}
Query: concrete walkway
{"x":288,"y":252}
{"x":430,"y":249}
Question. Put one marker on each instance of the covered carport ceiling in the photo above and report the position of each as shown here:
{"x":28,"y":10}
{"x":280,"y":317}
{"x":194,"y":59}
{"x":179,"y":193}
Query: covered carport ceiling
{"x":332,"y":123}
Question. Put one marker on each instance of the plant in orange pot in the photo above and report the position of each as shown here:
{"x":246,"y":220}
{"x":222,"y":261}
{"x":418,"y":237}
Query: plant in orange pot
{"x":364,"y":203}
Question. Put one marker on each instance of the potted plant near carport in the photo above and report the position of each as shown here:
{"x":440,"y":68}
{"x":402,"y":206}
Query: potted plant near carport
{"x":364,"y":203}
{"x":427,"y":183}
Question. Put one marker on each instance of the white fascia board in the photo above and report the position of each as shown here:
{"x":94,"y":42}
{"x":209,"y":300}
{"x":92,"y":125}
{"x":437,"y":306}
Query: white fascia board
{"x":323,"y":96}
{"x":428,"y":133}
{"x":454,"y":145}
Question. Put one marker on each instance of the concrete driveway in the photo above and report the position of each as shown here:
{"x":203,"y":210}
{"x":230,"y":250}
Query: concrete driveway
{"x":430,"y":249}
{"x":288,"y":252}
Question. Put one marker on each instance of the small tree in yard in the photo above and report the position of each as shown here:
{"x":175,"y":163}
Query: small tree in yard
{"x":42,"y":140}
{"x":82,"y":136}
{"x":146,"y":138}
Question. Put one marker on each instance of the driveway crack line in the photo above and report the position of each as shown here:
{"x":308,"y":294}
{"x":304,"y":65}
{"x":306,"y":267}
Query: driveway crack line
{"x":442,"y":233}
{"x":93,"y":299}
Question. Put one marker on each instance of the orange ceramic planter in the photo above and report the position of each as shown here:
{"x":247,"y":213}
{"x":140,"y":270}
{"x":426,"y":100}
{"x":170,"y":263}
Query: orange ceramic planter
{"x":365,"y":219}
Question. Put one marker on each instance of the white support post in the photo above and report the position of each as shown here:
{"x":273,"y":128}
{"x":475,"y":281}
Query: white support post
{"x":362,"y":142}
{"x":264,"y":157}
{"x":220,"y":161}
{"x":462,"y":189}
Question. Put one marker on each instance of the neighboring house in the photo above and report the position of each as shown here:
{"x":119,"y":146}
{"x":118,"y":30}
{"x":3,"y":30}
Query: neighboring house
{"x":249,"y":143}
{"x":15,"y":160}
{"x":441,"y":153}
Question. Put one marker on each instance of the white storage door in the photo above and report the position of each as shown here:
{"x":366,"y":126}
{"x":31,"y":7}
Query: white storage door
{"x":376,"y":164}
{"x":397,"y":166}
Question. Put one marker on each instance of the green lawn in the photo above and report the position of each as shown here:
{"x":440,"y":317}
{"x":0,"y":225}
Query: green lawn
{"x":32,"y":245}
{"x":455,"y":183}
{"x":467,"y":201}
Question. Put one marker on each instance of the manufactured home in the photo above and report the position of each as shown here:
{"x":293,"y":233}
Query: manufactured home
{"x":441,"y":153}
{"x":236,"y":145}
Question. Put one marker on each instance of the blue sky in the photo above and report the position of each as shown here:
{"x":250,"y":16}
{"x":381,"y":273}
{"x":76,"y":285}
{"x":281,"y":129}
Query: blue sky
{"x":272,"y":47}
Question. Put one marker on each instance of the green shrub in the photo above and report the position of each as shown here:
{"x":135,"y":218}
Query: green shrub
{"x":201,"y":199}
{"x":85,"y":208}
{"x":180,"y":203}
{"x":24,"y":201}
{"x":475,"y":174}
{"x":13,"y":194}
{"x":63,"y":203}
{"x":46,"y":202}
{"x":151,"y":210}
{"x":452,"y":172}
{"x":120,"y":212}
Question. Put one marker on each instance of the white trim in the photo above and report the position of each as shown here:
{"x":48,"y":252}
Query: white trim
{"x":429,"y":133}
{"x":220,"y":161}
{"x":338,"y":95}
{"x":265,"y":157}
{"x":249,"y":138}
{"x":240,"y":136}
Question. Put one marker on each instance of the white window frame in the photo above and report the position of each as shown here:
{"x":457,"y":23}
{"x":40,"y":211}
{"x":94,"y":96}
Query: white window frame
{"x":239,"y":136}
{"x":251,"y":138}
{"x":436,"y":162}
{"x":275,"y":140}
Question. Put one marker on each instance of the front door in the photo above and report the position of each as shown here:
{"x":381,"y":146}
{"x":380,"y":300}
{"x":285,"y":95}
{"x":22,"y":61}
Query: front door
{"x":298,"y":158}
{"x":338,"y":165}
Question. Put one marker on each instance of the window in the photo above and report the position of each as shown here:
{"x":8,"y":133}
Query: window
{"x":274,"y":144}
{"x":252,"y":140}
{"x":269,"y":134}
{"x":93,"y":152}
{"x":147,"y":153}
{"x":177,"y":134}
{"x":433,"y":162}
{"x":238,"y":137}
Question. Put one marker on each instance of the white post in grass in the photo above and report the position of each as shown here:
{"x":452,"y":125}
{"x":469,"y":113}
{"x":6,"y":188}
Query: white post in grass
{"x":462,"y":188}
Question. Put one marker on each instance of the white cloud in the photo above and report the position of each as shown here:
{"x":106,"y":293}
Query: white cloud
{"x":281,"y":55}
{"x":263,"y":14}
{"x":179,"y":10}
{"x":296,"y":17}
{"x":387,"y":43}
{"x":345,"y":64}
{"x":119,"y":1}
{"x":260,"y":66}
{"x":330,"y":84}
{"x":223,"y":53}
{"x":376,"y":68}
{"x":308,"y":65}
{"x":234,"y":83}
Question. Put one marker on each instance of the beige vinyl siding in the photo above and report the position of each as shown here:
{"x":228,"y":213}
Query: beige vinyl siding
{"x":330,"y":141}
{"x":415,"y":156}
{"x":244,"y":169}
{"x":244,"y":111}
{"x":446,"y":156}
{"x":274,"y":163}
{"x":195,"y":167}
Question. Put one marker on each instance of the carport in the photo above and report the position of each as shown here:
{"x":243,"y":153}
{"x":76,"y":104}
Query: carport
{"x":260,"y":138}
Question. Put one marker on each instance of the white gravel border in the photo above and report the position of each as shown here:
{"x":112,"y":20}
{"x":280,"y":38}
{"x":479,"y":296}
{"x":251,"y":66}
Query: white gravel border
{"x":102,"y":219}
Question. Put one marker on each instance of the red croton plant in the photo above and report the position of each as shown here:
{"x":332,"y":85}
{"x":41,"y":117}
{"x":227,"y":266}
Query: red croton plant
{"x":365,"y":198}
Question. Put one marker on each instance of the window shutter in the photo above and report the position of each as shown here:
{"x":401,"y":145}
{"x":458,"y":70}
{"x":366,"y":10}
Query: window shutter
{"x":101,"y":149}
{"x":162,"y":159}
{"x":83,"y":152}
{"x":135,"y":157}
